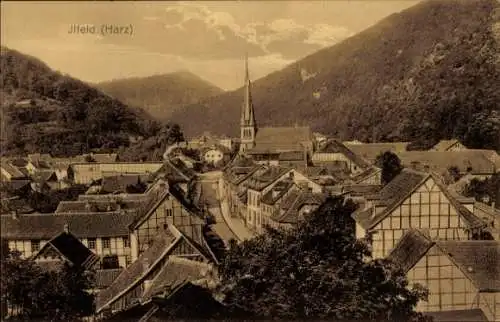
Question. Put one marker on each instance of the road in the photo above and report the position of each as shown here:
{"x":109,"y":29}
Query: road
{"x":226,"y":227}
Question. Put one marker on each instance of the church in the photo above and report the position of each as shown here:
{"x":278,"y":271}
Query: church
{"x":272,"y":145}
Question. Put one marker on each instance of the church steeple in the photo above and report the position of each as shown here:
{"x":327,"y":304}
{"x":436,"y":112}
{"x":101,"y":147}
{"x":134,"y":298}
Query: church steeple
{"x":248,"y":124}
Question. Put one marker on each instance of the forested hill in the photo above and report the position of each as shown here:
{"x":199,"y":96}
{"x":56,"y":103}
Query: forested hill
{"x":430,"y":72}
{"x":160,"y":95}
{"x":45,"y":111}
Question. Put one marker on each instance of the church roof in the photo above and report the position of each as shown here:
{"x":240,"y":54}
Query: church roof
{"x":281,"y":139}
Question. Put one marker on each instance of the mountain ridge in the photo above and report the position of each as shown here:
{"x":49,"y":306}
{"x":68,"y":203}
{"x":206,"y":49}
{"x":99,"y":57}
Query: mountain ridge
{"x":420,"y":63}
{"x":160,"y":94}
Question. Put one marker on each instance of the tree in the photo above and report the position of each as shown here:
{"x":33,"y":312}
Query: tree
{"x":34,"y":293}
{"x":390,"y":165}
{"x":452,"y":174}
{"x":316,"y":270}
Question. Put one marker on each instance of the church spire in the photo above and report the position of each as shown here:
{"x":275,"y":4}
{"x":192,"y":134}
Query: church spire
{"x":247,"y":115}
{"x":248,"y":125}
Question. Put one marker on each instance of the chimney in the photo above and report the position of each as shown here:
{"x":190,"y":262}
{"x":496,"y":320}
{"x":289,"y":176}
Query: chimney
{"x":66,"y":228}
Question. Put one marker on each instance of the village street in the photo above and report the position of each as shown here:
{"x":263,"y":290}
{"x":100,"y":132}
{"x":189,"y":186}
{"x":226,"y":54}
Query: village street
{"x":226,"y":226}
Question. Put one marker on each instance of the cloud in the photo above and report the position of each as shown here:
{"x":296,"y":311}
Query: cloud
{"x":194,"y":31}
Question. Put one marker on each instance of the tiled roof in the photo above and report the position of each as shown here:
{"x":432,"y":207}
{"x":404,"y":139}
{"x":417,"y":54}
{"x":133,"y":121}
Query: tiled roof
{"x":138,"y":270}
{"x":176,"y":170}
{"x":44,"y":175}
{"x":366,"y":174}
{"x":370,"y":151}
{"x":478,"y":259}
{"x":362,"y":189}
{"x":444,"y":145}
{"x":96,"y":206}
{"x":410,"y":249}
{"x":120,"y":182}
{"x":236,"y":175}
{"x":72,"y":249}
{"x":280,"y":189}
{"x":105,"y":277}
{"x":265,"y":176}
{"x":45,"y":226}
{"x":335,"y":146}
{"x":175,"y":273}
{"x":15,"y":204}
{"x":13,"y":185}
{"x":280,"y":139}
{"x":19,"y":162}
{"x":440,"y":161}
{"x":291,"y":205}
{"x":470,"y":315}
{"x":292,"y":156}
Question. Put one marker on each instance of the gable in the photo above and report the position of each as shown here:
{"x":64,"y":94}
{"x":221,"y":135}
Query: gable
{"x":49,"y":252}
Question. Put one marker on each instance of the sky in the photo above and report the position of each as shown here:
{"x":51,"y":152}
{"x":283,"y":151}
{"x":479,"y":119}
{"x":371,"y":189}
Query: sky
{"x":207,"y":38}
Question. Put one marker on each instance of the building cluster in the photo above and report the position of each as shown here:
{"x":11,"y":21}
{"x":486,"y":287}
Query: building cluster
{"x":141,"y":229}
{"x":442,"y":240}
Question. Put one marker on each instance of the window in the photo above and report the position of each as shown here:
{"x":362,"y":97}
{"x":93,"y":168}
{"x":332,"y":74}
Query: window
{"x":35,"y":246}
{"x":126,"y":241}
{"x":128,"y":260}
{"x":109,"y":262}
{"x":106,"y":243}
{"x":91,"y":242}
{"x":170,"y":212}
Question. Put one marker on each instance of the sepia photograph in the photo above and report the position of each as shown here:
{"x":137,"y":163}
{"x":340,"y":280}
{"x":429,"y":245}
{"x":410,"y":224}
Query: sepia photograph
{"x":331,"y":160}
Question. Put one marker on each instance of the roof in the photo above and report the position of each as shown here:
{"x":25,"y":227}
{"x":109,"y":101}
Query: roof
{"x":335,"y":146}
{"x":44,"y":175}
{"x":138,"y":270}
{"x":45,"y":226}
{"x":400,"y":188}
{"x":15,"y":204}
{"x":410,"y":249}
{"x":478,"y":259}
{"x":444,"y":145}
{"x":121,"y":182}
{"x":105,"y":277}
{"x":476,"y":160}
{"x":72,"y":249}
{"x":237,"y":174}
{"x":370,"y":151}
{"x":292,"y":156}
{"x":278,"y":191}
{"x":96,"y":206}
{"x":366,"y":174}
{"x":265,"y":176}
{"x":176,"y":272}
{"x":12,"y":170}
{"x":470,"y":315}
{"x":281,"y":139}
{"x":291,"y":205}
{"x":176,"y":170}
{"x":103,"y":157}
{"x":362,"y":189}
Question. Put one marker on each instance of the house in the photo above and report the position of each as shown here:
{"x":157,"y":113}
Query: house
{"x":86,"y":173}
{"x":171,"y":260}
{"x":119,"y":237}
{"x":370,"y":151}
{"x":414,"y":200}
{"x":271,"y":201}
{"x":265,"y":144}
{"x":295,"y":206}
{"x":262,"y":181}
{"x":448,"y":145}
{"x":65,"y":248}
{"x":459,"y":275}
{"x":476,"y":163}
{"x":489,"y":214}
{"x":333,"y":150}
